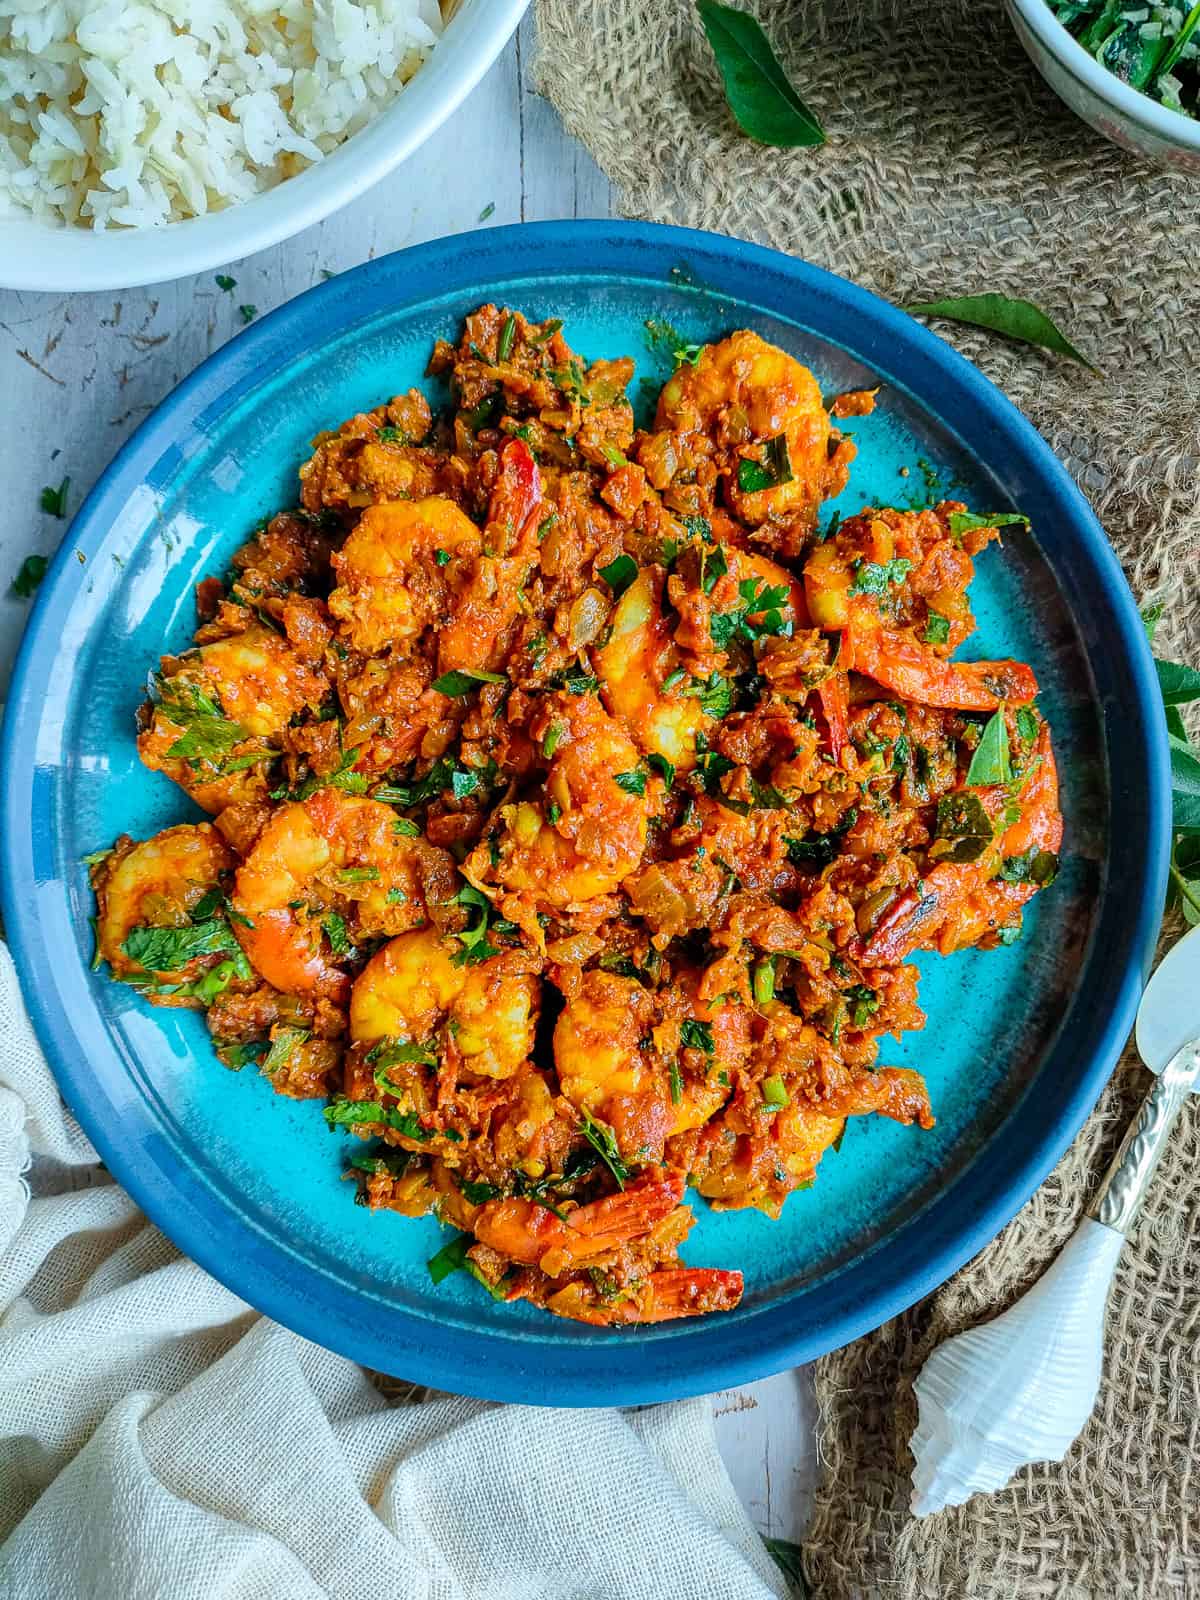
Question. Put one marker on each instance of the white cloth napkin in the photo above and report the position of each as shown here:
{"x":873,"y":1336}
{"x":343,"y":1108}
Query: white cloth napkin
{"x":161,"y":1441}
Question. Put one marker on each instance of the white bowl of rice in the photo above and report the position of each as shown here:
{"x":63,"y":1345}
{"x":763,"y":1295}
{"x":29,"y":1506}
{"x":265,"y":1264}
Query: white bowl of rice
{"x":144,"y":140}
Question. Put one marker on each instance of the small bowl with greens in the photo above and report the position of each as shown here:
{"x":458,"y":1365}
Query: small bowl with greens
{"x":1131,"y":70}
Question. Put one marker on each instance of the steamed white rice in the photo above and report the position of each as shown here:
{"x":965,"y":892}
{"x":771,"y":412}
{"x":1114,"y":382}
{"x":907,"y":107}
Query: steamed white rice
{"x":118,"y":114}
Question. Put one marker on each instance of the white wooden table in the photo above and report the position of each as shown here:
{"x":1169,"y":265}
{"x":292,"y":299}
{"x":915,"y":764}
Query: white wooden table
{"x":79,"y":372}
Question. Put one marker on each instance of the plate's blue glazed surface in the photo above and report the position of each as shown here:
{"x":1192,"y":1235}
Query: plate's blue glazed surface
{"x":1019,"y":1041}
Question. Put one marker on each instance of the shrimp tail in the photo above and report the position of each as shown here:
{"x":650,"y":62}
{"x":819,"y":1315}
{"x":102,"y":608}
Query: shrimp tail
{"x":662,"y":1296}
{"x":897,"y":661}
{"x":690,"y":1292}
{"x":530,"y":1234}
{"x":834,"y":697}
{"x":517,"y":495}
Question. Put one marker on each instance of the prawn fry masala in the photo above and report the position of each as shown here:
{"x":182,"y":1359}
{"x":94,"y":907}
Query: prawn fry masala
{"x":577,"y":801}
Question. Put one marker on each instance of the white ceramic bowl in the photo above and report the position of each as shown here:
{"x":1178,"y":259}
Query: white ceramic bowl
{"x":37,"y":255}
{"x":1126,"y":116}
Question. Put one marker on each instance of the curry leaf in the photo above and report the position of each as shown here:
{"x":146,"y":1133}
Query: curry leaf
{"x":1185,"y":876}
{"x":1185,"y":785}
{"x":1015,"y":319}
{"x":758,"y":91}
{"x":991,"y":762}
{"x":961,"y":522}
{"x":462,"y":680}
{"x":1179,"y":684}
{"x":284,"y":1042}
{"x":450,"y":1258}
{"x":961,"y":816}
{"x":619,"y":574}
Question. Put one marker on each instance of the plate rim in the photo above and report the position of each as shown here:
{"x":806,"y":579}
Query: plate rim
{"x":713,"y":1354}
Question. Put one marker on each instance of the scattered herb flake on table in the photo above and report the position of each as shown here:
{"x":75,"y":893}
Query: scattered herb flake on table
{"x":54,"y":501}
{"x":31,"y":573}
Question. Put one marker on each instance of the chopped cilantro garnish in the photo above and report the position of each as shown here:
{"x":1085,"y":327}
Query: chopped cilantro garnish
{"x":342,"y":1112}
{"x":633,"y":782}
{"x":715,"y":694}
{"x":284,"y":1042}
{"x":208,"y":733}
{"x":477,"y":1193}
{"x":474,"y":939}
{"x":171,"y":949}
{"x":334,"y":925}
{"x":875,"y":578}
{"x":816,"y":850}
{"x":580,"y":683}
{"x":695,"y":1035}
{"x":937,"y":629}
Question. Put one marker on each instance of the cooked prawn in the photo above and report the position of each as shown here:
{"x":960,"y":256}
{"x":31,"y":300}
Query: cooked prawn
{"x":221,"y":714}
{"x":336,"y":852}
{"x":645,"y":674}
{"x":954,"y":904}
{"x":392,"y":580}
{"x":910,"y":669}
{"x":660,"y":1296}
{"x":522,"y":1231}
{"x":649,"y":1064}
{"x":590,"y":831}
{"x":745,"y":394}
{"x":635,"y":668}
{"x":157,"y":884}
{"x":413,"y":989}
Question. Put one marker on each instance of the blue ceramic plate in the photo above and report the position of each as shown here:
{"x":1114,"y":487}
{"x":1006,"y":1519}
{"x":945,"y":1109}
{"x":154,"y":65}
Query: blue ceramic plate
{"x":1019,"y":1041}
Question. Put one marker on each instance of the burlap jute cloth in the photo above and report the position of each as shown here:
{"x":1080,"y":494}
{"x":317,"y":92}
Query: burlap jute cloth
{"x":951,"y":169}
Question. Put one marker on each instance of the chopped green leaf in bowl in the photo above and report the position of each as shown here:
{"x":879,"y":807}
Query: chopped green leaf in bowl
{"x":1154,"y":48}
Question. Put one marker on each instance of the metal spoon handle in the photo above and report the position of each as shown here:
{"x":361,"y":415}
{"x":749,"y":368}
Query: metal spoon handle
{"x":1128,"y":1178}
